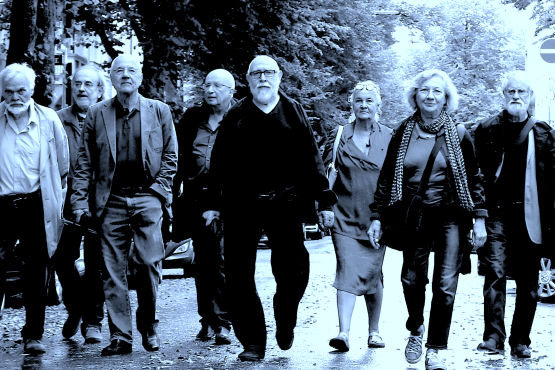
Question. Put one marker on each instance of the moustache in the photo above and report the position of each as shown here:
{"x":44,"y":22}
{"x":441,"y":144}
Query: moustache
{"x":263,"y":85}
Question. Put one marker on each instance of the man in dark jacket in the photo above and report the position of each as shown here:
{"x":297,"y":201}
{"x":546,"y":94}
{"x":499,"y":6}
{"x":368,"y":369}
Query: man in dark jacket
{"x":269,"y":172}
{"x":124,"y":178}
{"x":196,"y":134}
{"x":516,"y":153}
{"x":86,"y":301}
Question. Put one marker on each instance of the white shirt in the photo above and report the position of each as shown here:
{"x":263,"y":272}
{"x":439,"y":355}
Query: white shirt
{"x":19,"y":155}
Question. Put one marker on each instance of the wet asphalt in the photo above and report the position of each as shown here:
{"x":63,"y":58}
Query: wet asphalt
{"x":317,"y":323}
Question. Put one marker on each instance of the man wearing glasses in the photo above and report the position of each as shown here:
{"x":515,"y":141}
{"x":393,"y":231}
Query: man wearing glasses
{"x":266,"y":173}
{"x":125,"y":168}
{"x":516,"y":153}
{"x":196,"y":134}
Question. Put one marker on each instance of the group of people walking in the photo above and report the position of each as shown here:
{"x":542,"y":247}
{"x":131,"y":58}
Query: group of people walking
{"x":252,"y":165}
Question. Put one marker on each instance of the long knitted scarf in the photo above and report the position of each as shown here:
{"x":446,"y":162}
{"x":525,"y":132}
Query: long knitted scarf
{"x":456,"y":159}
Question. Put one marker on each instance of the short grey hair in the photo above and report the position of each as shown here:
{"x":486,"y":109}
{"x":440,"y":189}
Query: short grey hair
{"x":367,"y":82}
{"x":101,"y":81}
{"x":517,"y":75}
{"x":451,"y":95}
{"x":15,"y":68}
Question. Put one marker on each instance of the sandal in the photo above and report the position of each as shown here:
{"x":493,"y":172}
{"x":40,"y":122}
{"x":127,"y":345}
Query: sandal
{"x":340,"y":343}
{"x":375,"y":341}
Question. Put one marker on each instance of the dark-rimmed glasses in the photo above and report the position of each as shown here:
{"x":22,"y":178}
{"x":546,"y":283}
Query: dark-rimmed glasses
{"x":258,"y":74}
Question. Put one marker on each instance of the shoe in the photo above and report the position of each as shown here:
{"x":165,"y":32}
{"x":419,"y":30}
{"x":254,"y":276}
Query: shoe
{"x":341,"y":342}
{"x":413,"y":350}
{"x":222,"y":336}
{"x":375,"y":341}
{"x":33,"y":346}
{"x":433,"y":362}
{"x":92,"y":335}
{"x":521,"y":351}
{"x":490,"y":347}
{"x":285,"y":339}
{"x":206,"y":332}
{"x":151,"y":342}
{"x":71,"y":325}
{"x":117,"y":347}
{"x":252,"y":353}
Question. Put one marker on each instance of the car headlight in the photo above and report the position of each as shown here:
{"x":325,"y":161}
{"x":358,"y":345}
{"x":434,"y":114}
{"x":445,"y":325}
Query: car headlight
{"x":182,"y":249}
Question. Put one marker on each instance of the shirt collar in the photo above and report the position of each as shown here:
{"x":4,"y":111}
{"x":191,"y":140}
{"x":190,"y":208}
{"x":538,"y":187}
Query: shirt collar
{"x":118,"y":105}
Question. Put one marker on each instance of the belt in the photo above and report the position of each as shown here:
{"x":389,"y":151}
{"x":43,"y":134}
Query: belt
{"x":17,"y":199}
{"x":508,"y":205}
{"x":129,"y":190}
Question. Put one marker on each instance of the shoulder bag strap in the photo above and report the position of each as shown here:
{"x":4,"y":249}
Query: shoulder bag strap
{"x":523,"y":135}
{"x":428,"y":170}
{"x":336,"y":144}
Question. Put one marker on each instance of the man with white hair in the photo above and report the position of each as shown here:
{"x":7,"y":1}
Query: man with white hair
{"x":125,"y":167}
{"x":516,"y":153}
{"x":196,"y":133}
{"x":34,"y":163}
{"x":266,"y":173}
{"x":82,"y":300}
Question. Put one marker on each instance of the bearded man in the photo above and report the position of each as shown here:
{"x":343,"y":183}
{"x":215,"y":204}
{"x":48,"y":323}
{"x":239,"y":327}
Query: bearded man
{"x":266,"y":173}
{"x":516,"y":153}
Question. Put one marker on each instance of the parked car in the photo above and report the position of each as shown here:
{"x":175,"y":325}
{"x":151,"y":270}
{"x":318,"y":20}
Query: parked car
{"x":546,"y":286}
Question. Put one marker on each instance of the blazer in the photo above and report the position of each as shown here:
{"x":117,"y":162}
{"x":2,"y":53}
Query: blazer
{"x":54,"y":167}
{"x":97,"y":153}
{"x":71,"y":126}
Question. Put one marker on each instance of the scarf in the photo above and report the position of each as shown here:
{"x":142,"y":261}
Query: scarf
{"x":455,"y":162}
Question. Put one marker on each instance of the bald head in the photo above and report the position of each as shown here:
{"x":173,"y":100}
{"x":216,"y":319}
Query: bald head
{"x":264,"y":59}
{"x":222,"y":76}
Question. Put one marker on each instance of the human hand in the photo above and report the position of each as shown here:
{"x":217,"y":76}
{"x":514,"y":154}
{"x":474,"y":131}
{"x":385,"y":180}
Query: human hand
{"x":479,"y":233}
{"x":82,"y":215}
{"x":325,"y":220}
{"x":210,"y":215}
{"x":375,"y":233}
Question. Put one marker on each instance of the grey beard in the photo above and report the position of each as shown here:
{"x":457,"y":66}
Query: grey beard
{"x":15,"y":111}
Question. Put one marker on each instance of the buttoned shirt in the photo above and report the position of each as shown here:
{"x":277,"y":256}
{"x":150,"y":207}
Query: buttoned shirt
{"x":19,"y":155}
{"x":202,"y":151}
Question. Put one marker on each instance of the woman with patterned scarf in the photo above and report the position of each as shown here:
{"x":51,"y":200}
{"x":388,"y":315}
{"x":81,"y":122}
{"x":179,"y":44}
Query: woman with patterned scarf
{"x":452,"y":196}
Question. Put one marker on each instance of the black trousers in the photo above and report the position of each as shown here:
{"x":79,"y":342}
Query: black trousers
{"x":509,"y":250}
{"x":290,"y":267}
{"x":24,"y":221}
{"x":83,"y":297}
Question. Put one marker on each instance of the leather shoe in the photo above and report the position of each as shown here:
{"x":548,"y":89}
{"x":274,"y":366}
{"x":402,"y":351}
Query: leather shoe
{"x":285,"y":339}
{"x":151,"y":342}
{"x":92,"y":335}
{"x":206,"y":332}
{"x":340,"y":343}
{"x":252,"y":353}
{"x":521,"y":351}
{"x":116,"y":347}
{"x":33,"y":346}
{"x":490,"y":346}
{"x":71,"y":325}
{"x":222,"y":336}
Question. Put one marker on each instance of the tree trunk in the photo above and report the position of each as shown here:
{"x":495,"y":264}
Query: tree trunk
{"x":23,"y":32}
{"x":45,"y":52}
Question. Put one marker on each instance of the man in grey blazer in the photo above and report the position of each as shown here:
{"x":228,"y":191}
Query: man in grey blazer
{"x":125,"y":167}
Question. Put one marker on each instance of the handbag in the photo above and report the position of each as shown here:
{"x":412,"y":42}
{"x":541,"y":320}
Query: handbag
{"x":331,"y":171}
{"x":401,"y":221}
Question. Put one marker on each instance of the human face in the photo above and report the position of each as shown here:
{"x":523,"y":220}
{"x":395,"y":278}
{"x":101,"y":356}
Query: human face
{"x":365,"y":104}
{"x":264,"y":89}
{"x":85,"y":89}
{"x":517,"y":97}
{"x":217,"y":96}
{"x":430,"y":97}
{"x":126,"y":75}
{"x":17,"y":93}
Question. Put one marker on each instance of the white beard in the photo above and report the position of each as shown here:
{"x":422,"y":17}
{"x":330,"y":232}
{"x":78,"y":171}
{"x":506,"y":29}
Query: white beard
{"x":265,"y":95}
{"x":18,"y":110}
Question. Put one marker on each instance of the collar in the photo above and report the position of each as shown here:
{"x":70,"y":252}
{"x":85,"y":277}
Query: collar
{"x":117,"y":105}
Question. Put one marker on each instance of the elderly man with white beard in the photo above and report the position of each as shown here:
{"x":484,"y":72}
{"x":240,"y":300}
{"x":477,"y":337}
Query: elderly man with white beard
{"x":516,"y":153}
{"x":34,"y":163}
{"x":266,"y":173}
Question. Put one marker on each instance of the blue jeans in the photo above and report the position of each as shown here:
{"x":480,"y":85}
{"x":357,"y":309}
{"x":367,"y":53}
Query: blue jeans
{"x":509,"y":249}
{"x":442,"y":230}
{"x":136,"y":217}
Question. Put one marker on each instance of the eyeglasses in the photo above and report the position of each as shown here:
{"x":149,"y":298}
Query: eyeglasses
{"x":88,"y":85}
{"x":216,"y":86}
{"x":258,"y":74}
{"x":370,"y":86}
{"x":426,"y":92}
{"x":521,"y":92}
{"x":131,"y":71}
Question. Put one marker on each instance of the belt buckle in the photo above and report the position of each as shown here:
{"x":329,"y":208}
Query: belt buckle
{"x":17,"y":201}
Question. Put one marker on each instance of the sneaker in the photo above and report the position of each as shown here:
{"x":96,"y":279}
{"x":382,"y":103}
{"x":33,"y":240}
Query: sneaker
{"x":413,"y":350}
{"x":33,"y":346}
{"x":521,"y":351}
{"x":433,"y":362}
{"x":92,"y":335}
